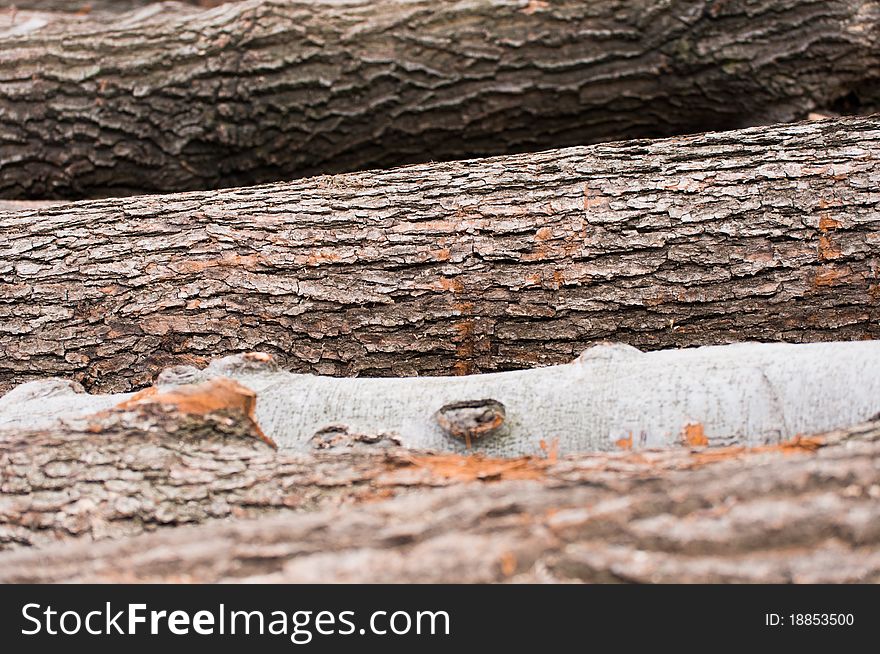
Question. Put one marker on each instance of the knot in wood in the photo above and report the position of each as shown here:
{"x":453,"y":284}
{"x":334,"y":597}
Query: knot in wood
{"x":339,"y":435}
{"x":472,"y":419}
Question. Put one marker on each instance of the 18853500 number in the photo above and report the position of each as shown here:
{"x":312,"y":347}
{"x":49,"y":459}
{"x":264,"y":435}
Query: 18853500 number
{"x":821,"y":619}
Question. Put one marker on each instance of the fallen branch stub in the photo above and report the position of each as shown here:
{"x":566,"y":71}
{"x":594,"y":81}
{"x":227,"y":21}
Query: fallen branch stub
{"x":471,"y":419}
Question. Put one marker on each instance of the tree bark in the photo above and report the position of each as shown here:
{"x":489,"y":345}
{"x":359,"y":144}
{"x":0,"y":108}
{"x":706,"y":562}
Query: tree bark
{"x":611,"y":397}
{"x":803,"y":511}
{"x":761,"y":234}
{"x":183,"y":98}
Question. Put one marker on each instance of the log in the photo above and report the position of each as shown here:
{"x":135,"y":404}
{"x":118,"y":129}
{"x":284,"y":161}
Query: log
{"x":169,"y":98}
{"x":803,"y":511}
{"x":91,"y":7}
{"x":765,"y":234}
{"x":611,"y":396}
{"x":156,"y":466}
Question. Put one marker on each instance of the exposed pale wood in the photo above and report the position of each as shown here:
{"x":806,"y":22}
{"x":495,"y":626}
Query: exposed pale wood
{"x":174,"y":97}
{"x":760,"y":234}
{"x":611,"y":396}
{"x":805,"y":511}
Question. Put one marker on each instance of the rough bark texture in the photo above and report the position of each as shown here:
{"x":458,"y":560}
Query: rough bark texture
{"x":760,"y":234}
{"x":125,"y":472}
{"x":806,"y":511}
{"x":175,"y":97}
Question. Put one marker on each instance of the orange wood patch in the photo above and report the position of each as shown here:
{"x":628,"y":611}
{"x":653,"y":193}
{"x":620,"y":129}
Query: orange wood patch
{"x":220,"y":393}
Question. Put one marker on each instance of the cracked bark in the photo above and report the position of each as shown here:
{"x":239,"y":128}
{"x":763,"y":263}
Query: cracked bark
{"x":805,"y":511}
{"x":450,"y":268}
{"x":183,"y":98}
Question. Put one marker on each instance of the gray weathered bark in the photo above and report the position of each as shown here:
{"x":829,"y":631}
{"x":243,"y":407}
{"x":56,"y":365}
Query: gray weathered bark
{"x":803,"y":511}
{"x":761,"y":234}
{"x":180,"y":98}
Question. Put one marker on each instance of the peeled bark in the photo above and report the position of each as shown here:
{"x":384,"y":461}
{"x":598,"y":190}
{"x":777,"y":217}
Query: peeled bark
{"x":803,"y":511}
{"x":612,"y":396}
{"x":761,"y":234}
{"x":175,"y":97}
